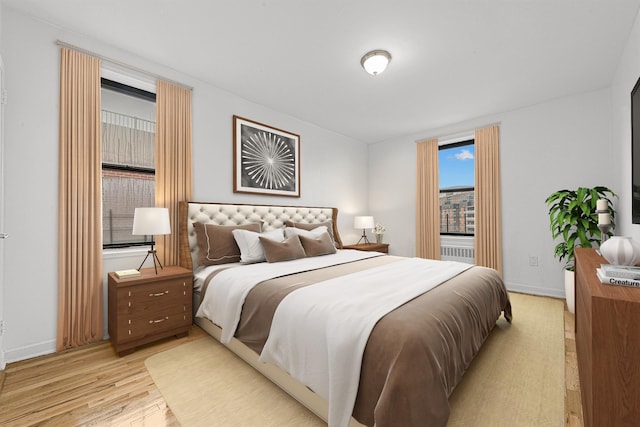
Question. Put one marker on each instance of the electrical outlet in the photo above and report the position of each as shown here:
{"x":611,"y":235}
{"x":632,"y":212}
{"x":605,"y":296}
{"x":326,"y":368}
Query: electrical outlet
{"x":1,"y":327}
{"x":533,"y":261}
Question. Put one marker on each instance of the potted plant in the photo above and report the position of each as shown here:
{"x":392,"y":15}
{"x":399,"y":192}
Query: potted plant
{"x":573,"y":217}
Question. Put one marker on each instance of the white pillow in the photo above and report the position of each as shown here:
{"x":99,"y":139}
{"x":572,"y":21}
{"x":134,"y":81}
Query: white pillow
{"x":249,"y":243}
{"x":312,"y":234}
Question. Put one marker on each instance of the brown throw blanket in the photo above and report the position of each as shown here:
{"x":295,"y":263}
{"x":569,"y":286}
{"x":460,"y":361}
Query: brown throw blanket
{"x":416,"y":354}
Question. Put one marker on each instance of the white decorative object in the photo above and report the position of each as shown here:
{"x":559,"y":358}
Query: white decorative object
{"x":570,"y":290}
{"x":379,"y":230}
{"x":621,"y":250}
{"x":604,"y":218}
{"x":602,"y":204}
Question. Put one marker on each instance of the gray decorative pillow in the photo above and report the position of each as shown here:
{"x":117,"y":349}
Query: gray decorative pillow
{"x":216,"y":244}
{"x":287,"y":250}
{"x":322,"y":245}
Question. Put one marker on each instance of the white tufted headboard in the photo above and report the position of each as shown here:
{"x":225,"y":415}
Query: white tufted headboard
{"x":235,"y":214}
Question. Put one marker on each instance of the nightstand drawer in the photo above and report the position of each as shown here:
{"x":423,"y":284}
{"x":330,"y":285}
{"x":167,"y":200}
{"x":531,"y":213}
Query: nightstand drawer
{"x":143,"y":325}
{"x":153,"y":298}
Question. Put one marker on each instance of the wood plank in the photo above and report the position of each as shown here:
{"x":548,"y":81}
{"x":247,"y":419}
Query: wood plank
{"x":87,"y":385}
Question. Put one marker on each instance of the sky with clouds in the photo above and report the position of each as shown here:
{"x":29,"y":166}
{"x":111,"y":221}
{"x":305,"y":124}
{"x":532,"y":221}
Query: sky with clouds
{"x":456,"y":166}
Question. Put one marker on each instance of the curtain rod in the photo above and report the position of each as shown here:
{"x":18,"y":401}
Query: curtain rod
{"x":121,"y":64}
{"x":458,"y":133}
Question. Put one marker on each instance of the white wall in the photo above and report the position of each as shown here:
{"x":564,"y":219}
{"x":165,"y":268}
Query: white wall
{"x":2,"y":355}
{"x":627,"y":74}
{"x":333,"y":172}
{"x":564,"y":143}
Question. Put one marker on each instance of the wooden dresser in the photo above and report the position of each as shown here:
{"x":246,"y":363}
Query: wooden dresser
{"x":149,"y":307}
{"x":608,"y":346}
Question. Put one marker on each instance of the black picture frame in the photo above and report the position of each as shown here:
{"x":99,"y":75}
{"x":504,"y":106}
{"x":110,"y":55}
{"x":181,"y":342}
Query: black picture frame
{"x":266,"y":159}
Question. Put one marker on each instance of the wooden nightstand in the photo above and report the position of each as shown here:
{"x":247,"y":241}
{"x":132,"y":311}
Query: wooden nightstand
{"x":148,"y":307}
{"x":370,"y":247}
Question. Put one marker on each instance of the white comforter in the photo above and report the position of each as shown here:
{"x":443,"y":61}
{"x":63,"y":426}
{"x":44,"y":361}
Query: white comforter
{"x":226,"y":292}
{"x":319,"y":332}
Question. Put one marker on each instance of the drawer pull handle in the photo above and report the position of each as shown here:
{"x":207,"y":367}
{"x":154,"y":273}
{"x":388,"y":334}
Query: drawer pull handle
{"x":159,"y":294}
{"x":159,"y":320}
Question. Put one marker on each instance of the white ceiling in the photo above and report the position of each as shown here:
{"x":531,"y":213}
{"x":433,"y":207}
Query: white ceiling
{"x":453,"y":60}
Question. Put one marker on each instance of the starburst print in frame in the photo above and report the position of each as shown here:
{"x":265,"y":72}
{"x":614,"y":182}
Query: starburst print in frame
{"x":266,"y":159}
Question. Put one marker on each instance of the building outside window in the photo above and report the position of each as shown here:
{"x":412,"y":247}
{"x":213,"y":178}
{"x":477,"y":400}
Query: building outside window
{"x":456,"y":165}
{"x":128,"y":163}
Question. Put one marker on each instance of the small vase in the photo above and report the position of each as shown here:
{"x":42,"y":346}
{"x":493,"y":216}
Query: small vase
{"x":379,"y":238}
{"x":620,"y":250}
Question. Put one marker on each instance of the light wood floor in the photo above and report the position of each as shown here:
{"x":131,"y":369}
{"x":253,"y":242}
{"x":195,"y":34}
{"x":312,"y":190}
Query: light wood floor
{"x":93,"y":386}
{"x":572,"y":399}
{"x":87,"y":386}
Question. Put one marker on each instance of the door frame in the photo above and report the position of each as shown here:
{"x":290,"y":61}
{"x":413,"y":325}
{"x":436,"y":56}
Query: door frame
{"x":3,"y":101}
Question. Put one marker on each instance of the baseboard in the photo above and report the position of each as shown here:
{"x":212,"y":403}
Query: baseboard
{"x":535,"y":290}
{"x":30,"y":351}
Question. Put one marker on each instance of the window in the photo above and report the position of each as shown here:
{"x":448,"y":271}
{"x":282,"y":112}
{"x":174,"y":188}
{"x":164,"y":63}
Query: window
{"x":456,"y":164}
{"x":128,"y":165}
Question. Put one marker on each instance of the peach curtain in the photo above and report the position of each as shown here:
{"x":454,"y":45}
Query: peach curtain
{"x":173,"y":160}
{"x":488,"y":231}
{"x":427,"y":201}
{"x":79,"y":202}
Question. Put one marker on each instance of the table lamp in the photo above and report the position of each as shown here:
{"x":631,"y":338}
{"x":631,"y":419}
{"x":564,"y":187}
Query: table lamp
{"x":151,"y":222}
{"x":363,"y":222}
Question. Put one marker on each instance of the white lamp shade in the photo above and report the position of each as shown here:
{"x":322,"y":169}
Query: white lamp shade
{"x":151,"y":221}
{"x":376,"y":61}
{"x":363,"y":222}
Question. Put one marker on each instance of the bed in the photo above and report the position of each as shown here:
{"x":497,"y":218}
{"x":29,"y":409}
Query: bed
{"x":422,"y":321}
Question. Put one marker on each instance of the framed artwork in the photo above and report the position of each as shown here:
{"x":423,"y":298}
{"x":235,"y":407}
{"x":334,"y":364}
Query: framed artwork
{"x":266,"y":159}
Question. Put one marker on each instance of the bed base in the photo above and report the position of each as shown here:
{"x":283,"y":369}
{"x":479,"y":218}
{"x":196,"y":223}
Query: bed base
{"x":283,"y":380}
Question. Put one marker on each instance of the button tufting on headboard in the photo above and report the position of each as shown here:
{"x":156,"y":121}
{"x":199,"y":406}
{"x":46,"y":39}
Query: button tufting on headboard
{"x":271,"y":217}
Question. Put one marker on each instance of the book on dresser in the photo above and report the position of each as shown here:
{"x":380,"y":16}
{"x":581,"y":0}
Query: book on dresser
{"x":621,"y":271}
{"x":618,"y":281}
{"x":125,"y":274}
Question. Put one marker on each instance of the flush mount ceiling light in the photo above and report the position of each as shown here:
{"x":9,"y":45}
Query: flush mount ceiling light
{"x":375,"y":61}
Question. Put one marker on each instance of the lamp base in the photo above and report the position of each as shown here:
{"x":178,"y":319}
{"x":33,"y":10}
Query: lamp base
{"x":363,"y":237}
{"x":154,"y":256}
